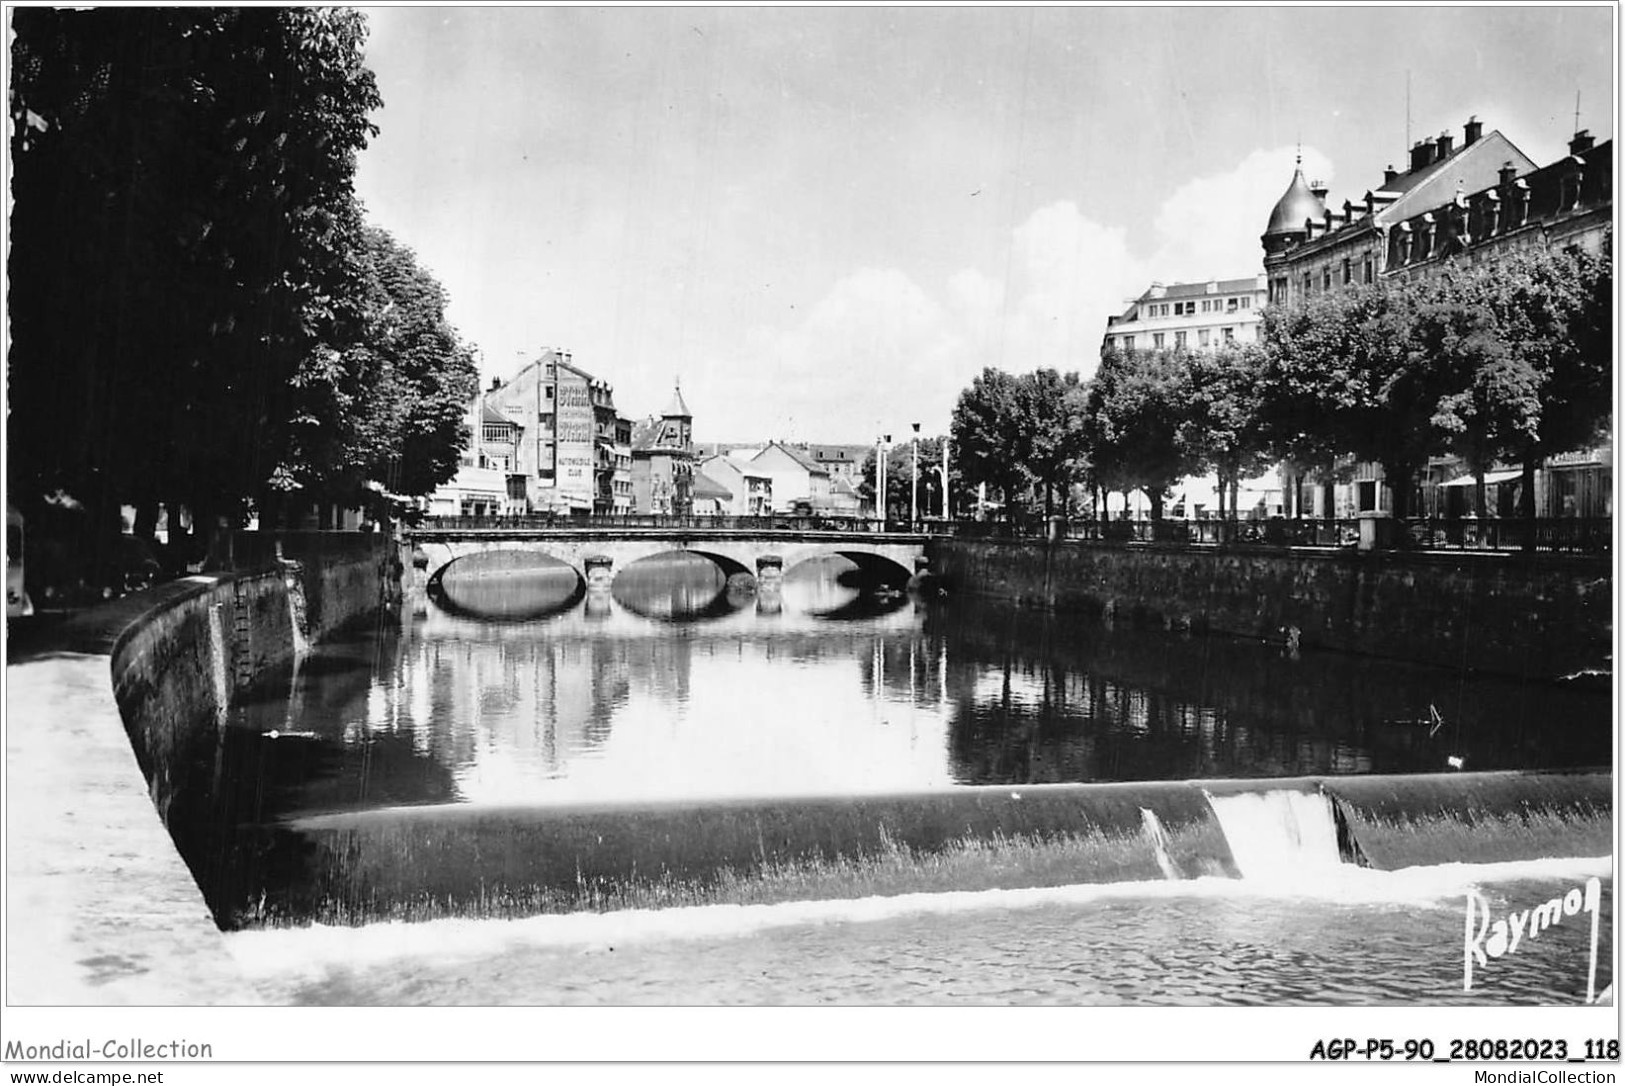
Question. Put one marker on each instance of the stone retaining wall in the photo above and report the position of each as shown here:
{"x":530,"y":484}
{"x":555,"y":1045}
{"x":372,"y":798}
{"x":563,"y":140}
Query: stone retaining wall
{"x":102,"y":709}
{"x":1529,"y":616}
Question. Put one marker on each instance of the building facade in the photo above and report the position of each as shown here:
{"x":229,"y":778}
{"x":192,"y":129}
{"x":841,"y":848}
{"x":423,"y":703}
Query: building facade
{"x":750,"y":492}
{"x":1450,"y":204}
{"x":663,"y":461}
{"x":1189,"y":316}
{"x":546,"y":441}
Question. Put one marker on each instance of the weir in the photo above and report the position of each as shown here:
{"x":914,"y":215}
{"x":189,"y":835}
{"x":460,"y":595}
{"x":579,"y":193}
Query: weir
{"x":1281,"y":835}
{"x":418,"y":863}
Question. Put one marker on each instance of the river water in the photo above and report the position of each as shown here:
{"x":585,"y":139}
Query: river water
{"x":678,"y":685}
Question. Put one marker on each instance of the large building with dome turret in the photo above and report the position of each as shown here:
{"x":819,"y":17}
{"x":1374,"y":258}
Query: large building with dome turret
{"x":1450,"y":202}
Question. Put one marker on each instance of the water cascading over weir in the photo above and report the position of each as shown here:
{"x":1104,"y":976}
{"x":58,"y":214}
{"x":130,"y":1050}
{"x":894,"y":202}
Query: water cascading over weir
{"x":417,"y":863}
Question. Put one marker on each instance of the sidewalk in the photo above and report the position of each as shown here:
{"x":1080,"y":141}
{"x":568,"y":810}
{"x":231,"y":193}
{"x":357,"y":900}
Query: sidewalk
{"x":100,"y":908}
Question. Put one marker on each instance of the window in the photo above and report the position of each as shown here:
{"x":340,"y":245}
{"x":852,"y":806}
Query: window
{"x":1244,"y":304}
{"x":1179,"y":340}
{"x":1308,"y":283}
{"x":1202,"y":337}
{"x":1207,"y":305}
{"x":1368,"y":269}
{"x":1326,"y":278}
{"x":1128,"y":343}
{"x":1230,"y":335}
{"x":1368,"y":496}
{"x":1156,"y":340}
{"x":1348,"y":271}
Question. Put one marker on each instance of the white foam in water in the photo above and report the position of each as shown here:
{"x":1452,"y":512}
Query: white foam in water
{"x":1159,"y":842}
{"x":284,"y":952}
{"x":1279,"y":836}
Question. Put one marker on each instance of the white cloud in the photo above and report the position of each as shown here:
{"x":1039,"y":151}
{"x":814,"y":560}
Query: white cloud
{"x":880,"y":350}
{"x":1210,"y":227}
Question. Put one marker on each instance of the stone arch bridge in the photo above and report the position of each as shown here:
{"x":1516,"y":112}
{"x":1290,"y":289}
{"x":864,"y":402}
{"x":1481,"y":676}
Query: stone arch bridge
{"x":596,"y":553}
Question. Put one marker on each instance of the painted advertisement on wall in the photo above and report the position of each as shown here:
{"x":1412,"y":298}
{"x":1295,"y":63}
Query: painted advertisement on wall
{"x":573,"y":438}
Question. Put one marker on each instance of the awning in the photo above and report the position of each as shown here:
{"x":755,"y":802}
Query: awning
{"x":1490,"y":478}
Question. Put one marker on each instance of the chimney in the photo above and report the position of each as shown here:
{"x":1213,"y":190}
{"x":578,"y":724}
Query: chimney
{"x":1581,"y":143}
{"x":1389,"y":175}
{"x":1422,"y":155}
{"x":1446,"y":144}
{"x":1158,"y":290}
{"x":1473,"y":129}
{"x":1507,"y":172}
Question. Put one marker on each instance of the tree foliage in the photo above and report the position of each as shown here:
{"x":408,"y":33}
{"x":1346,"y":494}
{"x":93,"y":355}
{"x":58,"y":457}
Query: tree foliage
{"x":1137,"y":404}
{"x":1018,"y":433}
{"x":200,"y":316}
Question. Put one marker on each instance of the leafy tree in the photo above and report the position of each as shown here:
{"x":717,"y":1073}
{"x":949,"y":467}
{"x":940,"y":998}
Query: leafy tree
{"x":1343,"y":376}
{"x":388,"y":401}
{"x":1221,"y":430}
{"x":900,"y":475}
{"x":183,"y":228}
{"x":1056,"y":442}
{"x":1552,"y":312}
{"x":1136,"y":406}
{"x":989,"y":436}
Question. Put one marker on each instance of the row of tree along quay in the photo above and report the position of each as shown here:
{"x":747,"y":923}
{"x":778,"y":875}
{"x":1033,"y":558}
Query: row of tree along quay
{"x":202,"y":318}
{"x":1506,"y":359}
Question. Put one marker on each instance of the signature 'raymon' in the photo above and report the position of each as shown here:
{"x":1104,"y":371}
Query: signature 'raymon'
{"x":1486,"y":937}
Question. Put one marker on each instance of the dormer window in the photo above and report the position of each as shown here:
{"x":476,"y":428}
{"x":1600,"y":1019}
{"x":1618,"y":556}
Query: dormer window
{"x":1407,"y":243}
{"x":1490,"y":222}
{"x":1520,"y":202}
{"x":1569,"y":199}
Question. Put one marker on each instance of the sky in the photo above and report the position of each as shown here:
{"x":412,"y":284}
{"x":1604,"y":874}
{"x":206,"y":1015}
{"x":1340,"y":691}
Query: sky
{"x":824,"y":222}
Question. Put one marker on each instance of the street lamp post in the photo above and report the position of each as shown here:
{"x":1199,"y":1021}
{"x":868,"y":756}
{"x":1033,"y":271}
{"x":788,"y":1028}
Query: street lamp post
{"x":914,"y":490}
{"x":944,"y":468}
{"x":880,"y":478}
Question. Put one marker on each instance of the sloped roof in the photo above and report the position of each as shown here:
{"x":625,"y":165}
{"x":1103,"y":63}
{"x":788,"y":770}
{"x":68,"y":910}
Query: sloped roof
{"x":1471,"y":168}
{"x":802,"y":459}
{"x":1296,"y":204}
{"x":644,"y":432}
{"x":676,"y":408}
{"x":492,"y":416}
{"x":1199,"y":290}
{"x":843,"y":485}
{"x":707,"y":487}
{"x":838,"y":454}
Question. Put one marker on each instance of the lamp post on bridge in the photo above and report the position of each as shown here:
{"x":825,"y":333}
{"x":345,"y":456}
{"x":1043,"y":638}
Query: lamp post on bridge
{"x":914,"y":490}
{"x":943,"y":467}
{"x":880,"y":478}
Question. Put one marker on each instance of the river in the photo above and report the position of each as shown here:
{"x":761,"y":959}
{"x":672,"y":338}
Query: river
{"x":679,"y":686}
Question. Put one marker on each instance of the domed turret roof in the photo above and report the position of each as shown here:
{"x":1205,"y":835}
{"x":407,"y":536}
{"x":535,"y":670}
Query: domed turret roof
{"x":1294,"y":206}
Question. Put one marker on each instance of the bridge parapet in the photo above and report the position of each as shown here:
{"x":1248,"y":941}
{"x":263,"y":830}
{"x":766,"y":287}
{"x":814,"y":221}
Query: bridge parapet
{"x":597,"y":553}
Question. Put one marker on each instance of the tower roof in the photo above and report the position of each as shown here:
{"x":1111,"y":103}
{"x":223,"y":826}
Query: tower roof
{"x":1295,"y":205}
{"x":676,"y":408}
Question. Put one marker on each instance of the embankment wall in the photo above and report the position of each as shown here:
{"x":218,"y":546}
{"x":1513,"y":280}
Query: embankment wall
{"x":103,"y":712}
{"x":1534,"y":616}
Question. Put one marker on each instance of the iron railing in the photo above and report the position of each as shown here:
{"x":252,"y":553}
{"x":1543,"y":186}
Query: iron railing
{"x":1571,"y":535}
{"x":1563,"y":535}
{"x":668,"y":521}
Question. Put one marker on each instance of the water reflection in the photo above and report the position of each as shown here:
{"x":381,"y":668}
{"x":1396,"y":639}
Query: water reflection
{"x":677,"y":685}
{"x":680,"y":586}
{"x":507,"y":586}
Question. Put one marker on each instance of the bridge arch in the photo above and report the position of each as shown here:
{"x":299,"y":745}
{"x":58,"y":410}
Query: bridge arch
{"x":890,"y":558}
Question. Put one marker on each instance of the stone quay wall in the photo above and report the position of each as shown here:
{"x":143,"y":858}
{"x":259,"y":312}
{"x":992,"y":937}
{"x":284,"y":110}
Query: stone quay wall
{"x":177,"y":668}
{"x":1535,"y":616}
{"x":104,"y":710}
